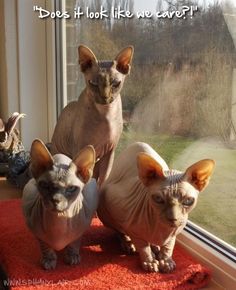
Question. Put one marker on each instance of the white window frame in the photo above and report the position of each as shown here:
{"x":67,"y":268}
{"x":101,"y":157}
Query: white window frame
{"x":203,"y":246}
{"x":30,"y":83}
{"x":61,"y":62}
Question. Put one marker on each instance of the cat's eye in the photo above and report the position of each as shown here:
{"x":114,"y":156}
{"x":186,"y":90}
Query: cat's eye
{"x":188,"y":201}
{"x":158,"y":199}
{"x":93,"y":83}
{"x":116,"y":84}
{"x":71,"y":189}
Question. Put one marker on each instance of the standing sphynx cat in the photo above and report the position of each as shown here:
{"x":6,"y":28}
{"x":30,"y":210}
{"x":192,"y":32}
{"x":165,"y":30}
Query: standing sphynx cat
{"x":96,"y":118}
{"x":148,"y":203}
{"x":60,"y":201}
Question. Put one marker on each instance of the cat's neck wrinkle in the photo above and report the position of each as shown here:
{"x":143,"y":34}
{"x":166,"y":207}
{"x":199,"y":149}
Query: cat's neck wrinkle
{"x":138,"y":203}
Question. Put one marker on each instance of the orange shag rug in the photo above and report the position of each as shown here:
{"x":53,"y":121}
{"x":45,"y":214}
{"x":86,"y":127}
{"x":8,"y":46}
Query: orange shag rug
{"x":103,"y":266}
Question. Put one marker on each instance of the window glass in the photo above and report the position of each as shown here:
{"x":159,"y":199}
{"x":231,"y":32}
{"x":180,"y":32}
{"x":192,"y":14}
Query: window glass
{"x":181,"y":94}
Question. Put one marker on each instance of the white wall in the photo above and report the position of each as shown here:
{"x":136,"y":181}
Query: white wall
{"x":32,"y":71}
{"x":9,"y":60}
{"x":27,"y":59}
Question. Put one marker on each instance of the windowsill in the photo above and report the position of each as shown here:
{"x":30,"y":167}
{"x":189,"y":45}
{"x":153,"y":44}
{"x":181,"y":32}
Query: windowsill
{"x":223,"y":270}
{"x":214,"y":286}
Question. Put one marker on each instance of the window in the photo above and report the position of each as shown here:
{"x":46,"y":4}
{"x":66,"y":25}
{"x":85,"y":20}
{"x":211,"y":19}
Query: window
{"x":181,"y":94}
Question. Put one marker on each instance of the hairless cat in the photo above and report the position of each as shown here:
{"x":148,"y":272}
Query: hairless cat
{"x":148,"y":204}
{"x":96,"y":118}
{"x":60,"y":201}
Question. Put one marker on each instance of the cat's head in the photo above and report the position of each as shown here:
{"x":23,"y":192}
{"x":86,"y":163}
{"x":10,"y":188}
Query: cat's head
{"x":59,"y":184}
{"x":173,"y":193}
{"x":105,"y":79}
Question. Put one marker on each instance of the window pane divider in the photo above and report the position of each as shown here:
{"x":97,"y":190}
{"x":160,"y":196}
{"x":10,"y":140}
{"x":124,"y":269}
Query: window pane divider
{"x":217,"y":244}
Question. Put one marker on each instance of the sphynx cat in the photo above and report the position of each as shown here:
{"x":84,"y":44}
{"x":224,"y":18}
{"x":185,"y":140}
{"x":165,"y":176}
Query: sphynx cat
{"x":60,"y":201}
{"x":96,"y":118}
{"x":148,"y":204}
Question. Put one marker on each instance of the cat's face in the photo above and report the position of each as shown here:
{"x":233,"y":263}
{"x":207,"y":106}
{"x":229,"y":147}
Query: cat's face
{"x":58,"y":184}
{"x":59,"y":187}
{"x":105,"y":79}
{"x":173,"y":201}
{"x":173,"y":194}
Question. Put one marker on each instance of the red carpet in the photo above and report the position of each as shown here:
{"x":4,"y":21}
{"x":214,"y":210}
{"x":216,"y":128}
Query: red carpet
{"x":103,"y":265}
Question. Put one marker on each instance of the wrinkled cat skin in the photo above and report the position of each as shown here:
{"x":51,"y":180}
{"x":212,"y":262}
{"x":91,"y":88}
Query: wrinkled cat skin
{"x":148,"y":204}
{"x":60,"y":201}
{"x":96,"y":118}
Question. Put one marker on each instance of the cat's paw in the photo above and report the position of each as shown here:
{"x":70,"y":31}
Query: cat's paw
{"x":156,"y":250}
{"x":72,"y":258}
{"x":128,"y":247}
{"x":49,"y":262}
{"x":126,"y":244}
{"x":167,"y":265}
{"x":152,"y":266}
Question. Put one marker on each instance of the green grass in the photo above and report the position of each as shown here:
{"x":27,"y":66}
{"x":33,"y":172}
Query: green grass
{"x":168,"y":147}
{"x":216,"y":208}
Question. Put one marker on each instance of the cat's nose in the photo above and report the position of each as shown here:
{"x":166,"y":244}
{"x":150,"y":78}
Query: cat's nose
{"x":59,"y":202}
{"x":173,"y":222}
{"x":57,"y":198}
{"x":108,"y":99}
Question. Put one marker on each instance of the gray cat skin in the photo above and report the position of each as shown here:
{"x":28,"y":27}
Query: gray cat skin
{"x":96,"y":118}
{"x":60,"y":201}
{"x":148,"y":204}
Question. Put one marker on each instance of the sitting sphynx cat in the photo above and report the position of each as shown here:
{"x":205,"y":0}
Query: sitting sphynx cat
{"x":148,"y":204}
{"x":60,"y":201}
{"x":96,"y":118}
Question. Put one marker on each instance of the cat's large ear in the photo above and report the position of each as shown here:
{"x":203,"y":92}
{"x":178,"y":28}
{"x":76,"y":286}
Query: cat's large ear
{"x":86,"y":58}
{"x":199,"y":173}
{"x":41,"y":159}
{"x":84,"y":162}
{"x":124,"y":59}
{"x":149,"y":169}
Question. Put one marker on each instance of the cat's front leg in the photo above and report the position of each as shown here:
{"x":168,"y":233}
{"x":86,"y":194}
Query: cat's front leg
{"x":105,"y":166}
{"x":71,"y":253}
{"x":148,"y":260}
{"x":49,"y":256}
{"x":166,"y":263}
{"x":126,"y":244}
